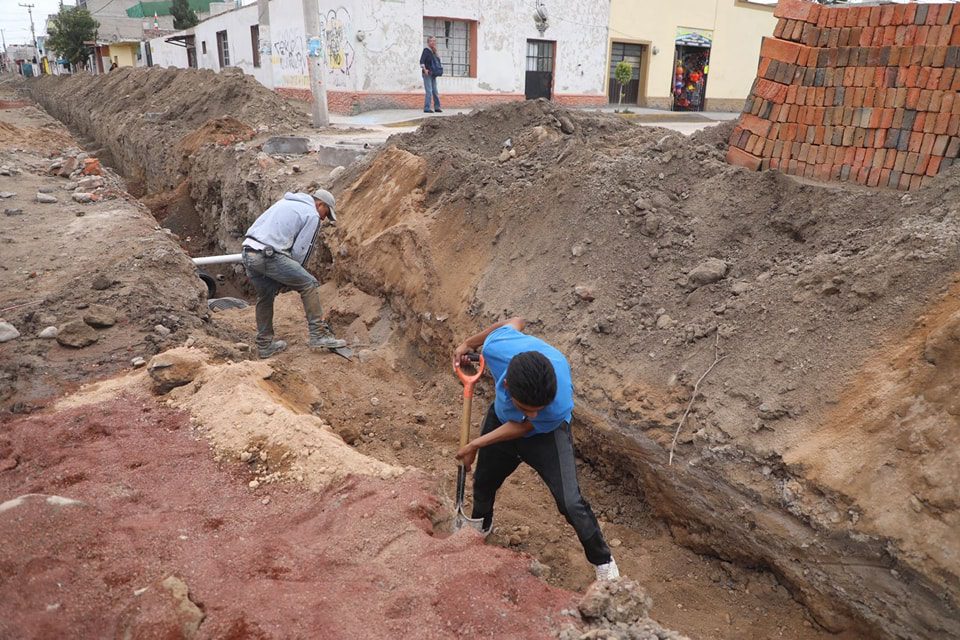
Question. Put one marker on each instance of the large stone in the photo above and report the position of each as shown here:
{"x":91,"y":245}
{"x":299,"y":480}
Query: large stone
{"x":76,"y":334}
{"x":46,"y":198}
{"x":8,"y":332}
{"x":709,"y":271}
{"x":175,"y":368}
{"x":69,"y":166}
{"x":161,"y":610}
{"x":619,"y":600}
{"x":82,"y":197}
{"x":99,"y":316}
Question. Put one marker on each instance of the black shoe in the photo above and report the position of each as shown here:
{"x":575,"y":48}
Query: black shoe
{"x":438,"y":110}
{"x":427,"y":111}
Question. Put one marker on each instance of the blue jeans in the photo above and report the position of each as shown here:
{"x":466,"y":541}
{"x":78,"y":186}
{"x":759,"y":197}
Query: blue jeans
{"x":268,"y":275}
{"x":430,"y":88}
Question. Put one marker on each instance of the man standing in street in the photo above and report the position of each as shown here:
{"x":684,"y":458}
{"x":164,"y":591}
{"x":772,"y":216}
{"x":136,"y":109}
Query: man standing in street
{"x":276,"y":247}
{"x":430,"y":68}
{"x":529,"y":421}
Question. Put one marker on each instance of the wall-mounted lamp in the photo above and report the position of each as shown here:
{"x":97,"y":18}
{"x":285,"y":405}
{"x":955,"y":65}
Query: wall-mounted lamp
{"x":655,"y":50}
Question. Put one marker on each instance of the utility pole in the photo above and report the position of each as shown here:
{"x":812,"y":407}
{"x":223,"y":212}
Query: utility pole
{"x":33,"y":34}
{"x":316,"y":62}
{"x":265,"y":44}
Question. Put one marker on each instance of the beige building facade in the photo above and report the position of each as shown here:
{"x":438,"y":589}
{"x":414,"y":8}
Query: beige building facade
{"x":687,"y":55}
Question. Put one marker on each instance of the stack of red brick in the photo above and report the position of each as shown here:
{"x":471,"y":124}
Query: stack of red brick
{"x":867,"y":93}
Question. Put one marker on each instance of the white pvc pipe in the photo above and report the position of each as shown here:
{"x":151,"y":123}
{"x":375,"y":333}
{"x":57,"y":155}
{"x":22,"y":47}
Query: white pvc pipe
{"x":231,"y":258}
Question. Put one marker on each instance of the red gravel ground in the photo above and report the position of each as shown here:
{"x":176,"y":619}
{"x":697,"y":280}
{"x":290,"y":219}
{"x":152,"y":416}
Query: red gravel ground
{"x":357,"y":561}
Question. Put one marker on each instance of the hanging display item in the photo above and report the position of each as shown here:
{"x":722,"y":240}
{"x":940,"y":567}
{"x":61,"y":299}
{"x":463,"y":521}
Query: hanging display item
{"x":691,"y":67}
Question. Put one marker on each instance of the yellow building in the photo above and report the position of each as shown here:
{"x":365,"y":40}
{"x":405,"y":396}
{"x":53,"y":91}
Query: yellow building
{"x":687,"y":55}
{"x":125,"y":53}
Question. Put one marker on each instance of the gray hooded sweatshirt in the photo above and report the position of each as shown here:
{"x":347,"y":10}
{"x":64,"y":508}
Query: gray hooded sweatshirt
{"x":290,"y":226}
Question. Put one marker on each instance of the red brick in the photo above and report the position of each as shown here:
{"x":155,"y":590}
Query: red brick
{"x":797,"y":30}
{"x":955,"y":17}
{"x":781,"y":50}
{"x":910,"y":14}
{"x":946,"y":79}
{"x":944,"y":16}
{"x":927,"y":145}
{"x":913,"y":96}
{"x":916,"y":139}
{"x":933,"y":166}
{"x":955,"y":37}
{"x":798,"y":10}
{"x":898,"y":12}
{"x":943,"y":38}
{"x":923,"y":103}
{"x":755,"y":125}
{"x":874,"y":19}
{"x":933,"y":12}
{"x":939,"y":56}
{"x":772,"y":91}
{"x":778,"y":30}
{"x":740,"y":158}
{"x":886,"y":14}
{"x":933,"y":83}
{"x":763,"y":67}
{"x":910,"y":36}
{"x":923,"y":35}
{"x":940,"y":145}
{"x":886,"y":118}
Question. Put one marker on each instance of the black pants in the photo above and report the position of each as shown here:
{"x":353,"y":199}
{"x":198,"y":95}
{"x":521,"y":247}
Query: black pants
{"x":551,"y":456}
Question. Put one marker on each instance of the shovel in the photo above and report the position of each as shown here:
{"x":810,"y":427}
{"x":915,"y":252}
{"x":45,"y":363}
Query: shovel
{"x":468,"y":382}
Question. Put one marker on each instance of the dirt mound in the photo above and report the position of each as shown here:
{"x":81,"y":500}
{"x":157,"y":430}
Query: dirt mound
{"x":140,"y":532}
{"x":152,"y":119}
{"x":638,"y":252}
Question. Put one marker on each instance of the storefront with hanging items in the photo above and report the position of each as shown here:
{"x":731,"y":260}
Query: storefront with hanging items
{"x":691,"y":66}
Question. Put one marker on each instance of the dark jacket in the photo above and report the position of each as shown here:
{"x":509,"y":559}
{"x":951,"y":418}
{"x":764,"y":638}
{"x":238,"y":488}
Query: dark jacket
{"x":428,"y":59}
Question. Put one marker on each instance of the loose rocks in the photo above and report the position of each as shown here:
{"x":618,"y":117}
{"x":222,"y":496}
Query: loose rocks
{"x":616,"y":600}
{"x":76,"y":334}
{"x":100,"y":316}
{"x":49,"y":333}
{"x":46,"y":198}
{"x":709,"y":271}
{"x":8,"y":332}
{"x":175,"y":368}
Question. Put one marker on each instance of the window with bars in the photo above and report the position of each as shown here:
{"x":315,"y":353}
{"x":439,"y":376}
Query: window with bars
{"x":539,"y":55}
{"x":453,"y":44}
{"x":223,"y":49}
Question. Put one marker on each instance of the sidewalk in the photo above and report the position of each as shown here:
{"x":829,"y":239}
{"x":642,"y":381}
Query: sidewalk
{"x":396,"y":120}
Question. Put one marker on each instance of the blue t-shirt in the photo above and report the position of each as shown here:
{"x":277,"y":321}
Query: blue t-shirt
{"x":498,"y":350}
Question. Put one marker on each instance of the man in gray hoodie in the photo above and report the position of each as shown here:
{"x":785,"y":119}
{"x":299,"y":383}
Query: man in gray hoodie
{"x":276,"y":247}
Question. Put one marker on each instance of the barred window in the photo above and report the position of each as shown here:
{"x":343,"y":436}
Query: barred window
{"x":453,"y":44}
{"x":223,"y":49}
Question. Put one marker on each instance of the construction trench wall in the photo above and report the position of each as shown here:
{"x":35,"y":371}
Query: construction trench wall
{"x":848,"y":579}
{"x":863,"y":93}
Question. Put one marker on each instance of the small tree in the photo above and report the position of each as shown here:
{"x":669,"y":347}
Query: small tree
{"x":68,"y":30}
{"x":183,"y":16}
{"x":623,"y":73}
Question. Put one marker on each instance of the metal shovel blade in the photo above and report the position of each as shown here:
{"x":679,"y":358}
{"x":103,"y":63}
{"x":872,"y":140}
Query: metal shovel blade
{"x":461,"y":517}
{"x":344,"y":352}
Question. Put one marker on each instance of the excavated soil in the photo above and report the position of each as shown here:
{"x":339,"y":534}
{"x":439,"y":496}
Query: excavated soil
{"x":821,"y":450}
{"x":645,"y":257}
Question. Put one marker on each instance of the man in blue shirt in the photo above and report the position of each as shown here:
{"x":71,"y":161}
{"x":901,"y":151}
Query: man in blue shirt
{"x":529,"y":421}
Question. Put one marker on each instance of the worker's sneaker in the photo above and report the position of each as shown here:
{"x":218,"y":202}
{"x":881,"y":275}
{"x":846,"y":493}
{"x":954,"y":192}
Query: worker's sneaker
{"x":608,"y":571}
{"x":273,"y":349}
{"x":321,"y":337}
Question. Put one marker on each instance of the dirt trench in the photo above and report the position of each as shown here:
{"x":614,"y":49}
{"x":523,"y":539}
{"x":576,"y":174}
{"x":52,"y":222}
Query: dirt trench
{"x":443,"y":220}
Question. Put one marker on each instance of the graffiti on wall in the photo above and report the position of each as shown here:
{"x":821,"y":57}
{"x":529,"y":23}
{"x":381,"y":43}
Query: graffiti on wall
{"x":340,"y":53}
{"x":289,"y":53}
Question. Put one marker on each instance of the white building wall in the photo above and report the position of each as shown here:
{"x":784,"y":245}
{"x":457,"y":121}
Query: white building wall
{"x":373,"y":46}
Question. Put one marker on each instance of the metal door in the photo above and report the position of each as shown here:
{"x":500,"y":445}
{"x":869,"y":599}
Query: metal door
{"x":632,"y":53}
{"x":539,"y":80}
